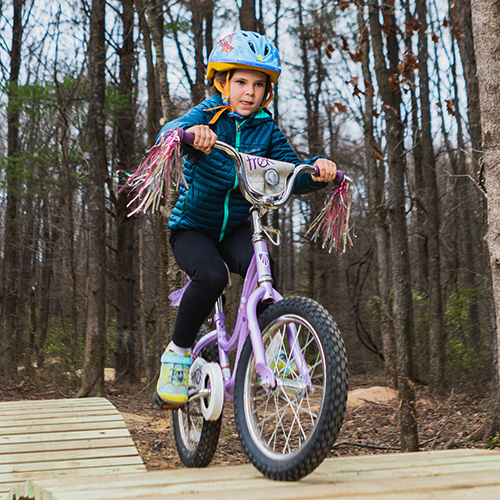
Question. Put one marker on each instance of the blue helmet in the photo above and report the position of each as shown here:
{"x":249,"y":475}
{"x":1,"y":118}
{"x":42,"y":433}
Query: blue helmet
{"x":245,"y":50}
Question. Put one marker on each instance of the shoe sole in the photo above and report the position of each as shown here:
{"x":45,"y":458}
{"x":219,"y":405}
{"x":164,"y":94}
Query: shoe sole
{"x":162,"y":405}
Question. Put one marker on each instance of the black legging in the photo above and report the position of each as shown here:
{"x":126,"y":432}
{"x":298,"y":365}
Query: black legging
{"x":203,"y":260}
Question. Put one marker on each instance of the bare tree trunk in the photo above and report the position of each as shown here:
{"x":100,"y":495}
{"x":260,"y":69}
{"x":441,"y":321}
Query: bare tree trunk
{"x":169,"y":274}
{"x":248,"y":19}
{"x":146,"y":361}
{"x":69,"y":188}
{"x":126,"y":258}
{"x":10,"y":326}
{"x":486,"y":26}
{"x":436,"y":321}
{"x":401,"y":278}
{"x":376,"y":180}
{"x":460,"y":15}
{"x":153,"y":116}
{"x":95,"y":345}
{"x":202,"y":12}
{"x":155,"y":22}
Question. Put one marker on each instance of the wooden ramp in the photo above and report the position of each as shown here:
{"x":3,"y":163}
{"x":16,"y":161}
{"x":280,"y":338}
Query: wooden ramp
{"x":440,"y":475}
{"x":68,"y":437}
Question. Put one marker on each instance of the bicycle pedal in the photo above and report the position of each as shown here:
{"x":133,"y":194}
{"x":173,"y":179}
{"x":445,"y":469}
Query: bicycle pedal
{"x":166,"y":406}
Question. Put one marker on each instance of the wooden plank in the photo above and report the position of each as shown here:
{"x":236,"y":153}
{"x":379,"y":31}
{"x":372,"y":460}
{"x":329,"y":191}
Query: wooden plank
{"x":55,"y":403}
{"x":115,"y":422}
{"x":95,"y":443}
{"x":75,"y":475}
{"x":61,"y":436}
{"x":260,"y":488}
{"x":69,"y":464}
{"x":49,"y":414}
{"x":71,"y":437}
{"x":66,"y":455}
{"x":474,"y":474}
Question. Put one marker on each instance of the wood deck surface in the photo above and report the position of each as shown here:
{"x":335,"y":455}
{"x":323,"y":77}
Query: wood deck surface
{"x":80,"y":449}
{"x":442,"y":475}
{"x":68,"y":437}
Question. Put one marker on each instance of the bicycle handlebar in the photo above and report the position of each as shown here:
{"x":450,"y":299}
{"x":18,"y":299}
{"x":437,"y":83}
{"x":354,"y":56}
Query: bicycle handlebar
{"x":254,"y":195}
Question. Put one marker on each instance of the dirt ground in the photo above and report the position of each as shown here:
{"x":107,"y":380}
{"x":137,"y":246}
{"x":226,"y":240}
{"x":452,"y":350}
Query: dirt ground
{"x":370,"y":424}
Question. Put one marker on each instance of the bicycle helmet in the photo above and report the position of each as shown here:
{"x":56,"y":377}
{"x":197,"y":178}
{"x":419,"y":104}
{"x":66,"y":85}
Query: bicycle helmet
{"x":245,"y":50}
{"x":242,"y":50}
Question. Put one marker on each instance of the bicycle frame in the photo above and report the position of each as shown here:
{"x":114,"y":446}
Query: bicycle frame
{"x":257,"y":287}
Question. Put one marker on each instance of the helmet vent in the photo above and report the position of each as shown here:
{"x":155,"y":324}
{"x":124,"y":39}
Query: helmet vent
{"x":252,"y":47}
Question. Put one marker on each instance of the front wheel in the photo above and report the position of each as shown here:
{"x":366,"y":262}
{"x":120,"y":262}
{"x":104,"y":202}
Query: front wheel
{"x":289,"y":430}
{"x":196,"y":439}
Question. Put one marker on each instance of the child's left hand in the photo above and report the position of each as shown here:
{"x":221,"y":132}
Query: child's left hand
{"x":327,"y":170}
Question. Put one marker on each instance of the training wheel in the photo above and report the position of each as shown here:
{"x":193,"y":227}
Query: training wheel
{"x":202,"y":376}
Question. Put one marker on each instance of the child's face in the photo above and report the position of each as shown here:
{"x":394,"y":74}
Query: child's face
{"x":246,"y":91}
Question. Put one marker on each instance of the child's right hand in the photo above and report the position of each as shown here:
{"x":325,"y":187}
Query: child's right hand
{"x":204,"y":137}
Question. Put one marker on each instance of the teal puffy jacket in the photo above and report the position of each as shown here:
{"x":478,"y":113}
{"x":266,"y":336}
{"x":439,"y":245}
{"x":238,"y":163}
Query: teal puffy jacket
{"x":213,"y":204}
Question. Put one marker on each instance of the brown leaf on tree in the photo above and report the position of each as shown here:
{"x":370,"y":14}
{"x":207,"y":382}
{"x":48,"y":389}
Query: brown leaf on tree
{"x":435,"y":38}
{"x":328,"y":50}
{"x":388,"y":107}
{"x":446,"y":23}
{"x":394,"y":80}
{"x":345,"y":43}
{"x":344,"y":4}
{"x":412,"y":24}
{"x":341,"y":108}
{"x":450,"y":108}
{"x":386,"y":28}
{"x":408,"y":64}
{"x":317,"y":41}
{"x":375,"y":113}
{"x":356,"y":56}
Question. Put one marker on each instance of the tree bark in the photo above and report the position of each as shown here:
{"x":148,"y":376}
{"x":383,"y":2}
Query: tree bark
{"x":401,"y":278}
{"x":248,"y":19}
{"x":12,"y":255}
{"x":431,"y":196}
{"x":486,"y":26}
{"x":93,"y":368}
{"x":126,"y":258}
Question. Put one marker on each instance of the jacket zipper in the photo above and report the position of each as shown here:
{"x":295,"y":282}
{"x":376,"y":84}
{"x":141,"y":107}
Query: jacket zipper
{"x":235,"y":185}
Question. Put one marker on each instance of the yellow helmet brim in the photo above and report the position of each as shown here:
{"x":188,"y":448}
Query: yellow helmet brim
{"x":222,"y":66}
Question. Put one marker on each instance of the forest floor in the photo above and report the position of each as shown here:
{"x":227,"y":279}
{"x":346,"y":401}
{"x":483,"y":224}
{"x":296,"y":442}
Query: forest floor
{"x":370,"y":423}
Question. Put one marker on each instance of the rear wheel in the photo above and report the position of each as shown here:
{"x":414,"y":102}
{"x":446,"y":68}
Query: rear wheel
{"x":196,"y":439}
{"x":289,"y":430}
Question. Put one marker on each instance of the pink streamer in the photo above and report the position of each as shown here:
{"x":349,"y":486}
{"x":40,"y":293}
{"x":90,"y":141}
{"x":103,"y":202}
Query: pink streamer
{"x":158,"y":174}
{"x":332,"y":223}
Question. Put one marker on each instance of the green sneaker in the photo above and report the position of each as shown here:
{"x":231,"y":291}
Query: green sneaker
{"x":172,"y":386}
{"x":284,"y":364}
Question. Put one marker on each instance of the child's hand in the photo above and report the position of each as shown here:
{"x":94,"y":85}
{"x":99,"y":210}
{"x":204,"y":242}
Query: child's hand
{"x":327,"y":170}
{"x":204,"y":137}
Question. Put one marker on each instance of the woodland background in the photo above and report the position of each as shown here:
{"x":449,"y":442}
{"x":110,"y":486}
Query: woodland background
{"x":394,"y":92}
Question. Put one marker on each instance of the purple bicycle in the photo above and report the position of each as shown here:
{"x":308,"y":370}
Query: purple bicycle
{"x":288,"y":378}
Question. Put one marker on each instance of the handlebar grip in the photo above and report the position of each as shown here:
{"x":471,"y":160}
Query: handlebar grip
{"x":185,"y":137}
{"x":339,"y":178}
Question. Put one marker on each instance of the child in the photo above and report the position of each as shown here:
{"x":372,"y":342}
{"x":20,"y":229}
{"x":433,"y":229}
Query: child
{"x":209,"y":227}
